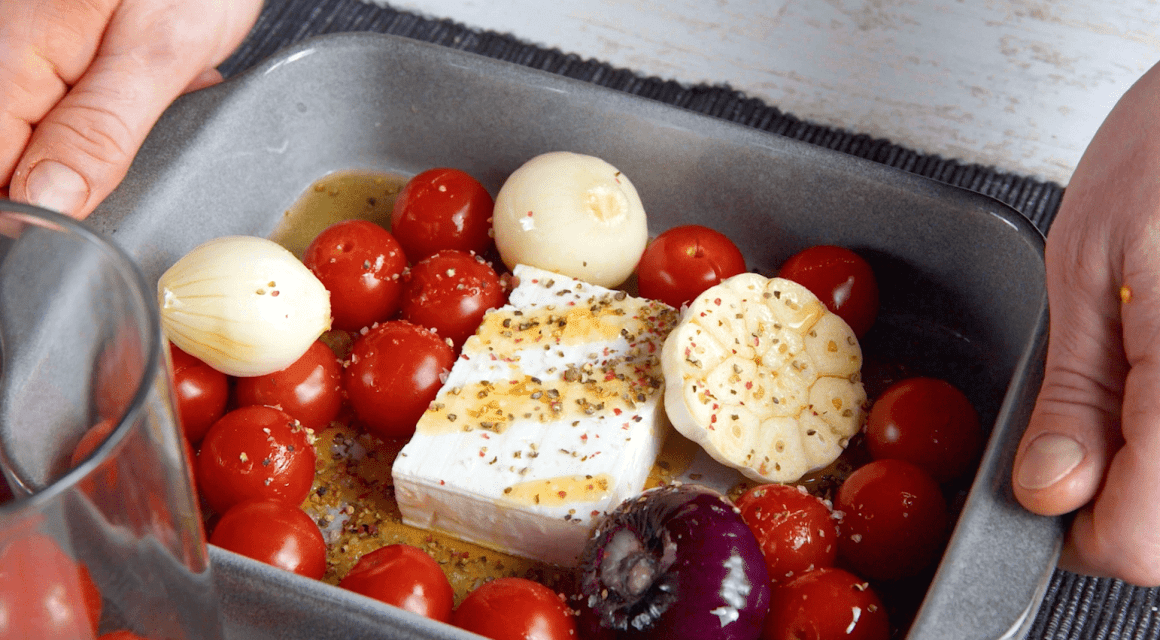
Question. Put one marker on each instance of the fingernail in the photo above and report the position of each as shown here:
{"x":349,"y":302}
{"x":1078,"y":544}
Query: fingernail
{"x":1048,"y":459}
{"x":54,"y":186}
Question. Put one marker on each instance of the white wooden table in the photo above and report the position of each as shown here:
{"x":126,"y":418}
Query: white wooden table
{"x":1020,"y":85}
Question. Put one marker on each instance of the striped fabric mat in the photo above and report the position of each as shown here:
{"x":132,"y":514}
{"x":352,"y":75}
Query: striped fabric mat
{"x":1075,"y":606}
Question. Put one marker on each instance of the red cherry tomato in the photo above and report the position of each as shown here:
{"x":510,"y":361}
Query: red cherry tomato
{"x":255,"y":452}
{"x":45,"y":594}
{"x":274,"y":532}
{"x":394,"y":373}
{"x":403,"y":576}
{"x":449,"y":291}
{"x":825,"y":604}
{"x":442,"y":209}
{"x":797,"y":531}
{"x":515,"y":609}
{"x":118,"y":372}
{"x":894,"y":521}
{"x":91,"y":440}
{"x":928,"y":422}
{"x":684,"y":261}
{"x":841,"y":279}
{"x":360,"y":264}
{"x":201,"y":393}
{"x":309,"y":390}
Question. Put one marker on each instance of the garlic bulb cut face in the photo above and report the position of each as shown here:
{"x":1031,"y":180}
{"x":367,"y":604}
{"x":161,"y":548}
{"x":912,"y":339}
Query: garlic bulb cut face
{"x":572,"y":214}
{"x":243,"y":305}
{"x":764,"y":377}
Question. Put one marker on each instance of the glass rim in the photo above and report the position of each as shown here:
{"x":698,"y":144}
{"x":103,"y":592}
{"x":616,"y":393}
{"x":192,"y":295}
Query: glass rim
{"x":134,"y":280}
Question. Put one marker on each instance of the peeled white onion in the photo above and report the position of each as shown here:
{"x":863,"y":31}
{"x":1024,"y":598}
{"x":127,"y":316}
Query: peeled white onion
{"x":573,"y":214}
{"x":243,"y":305}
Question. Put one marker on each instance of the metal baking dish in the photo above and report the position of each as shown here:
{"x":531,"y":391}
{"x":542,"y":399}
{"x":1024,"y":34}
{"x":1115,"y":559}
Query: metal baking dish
{"x":962,"y":275}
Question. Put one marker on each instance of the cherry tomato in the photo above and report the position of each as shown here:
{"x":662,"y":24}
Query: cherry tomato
{"x":201,"y":393}
{"x":255,"y":452}
{"x":684,"y":261}
{"x":825,"y":604}
{"x":360,"y":264}
{"x":797,"y":531}
{"x":274,"y":532}
{"x":449,"y":291}
{"x":928,"y":422}
{"x":118,"y":372}
{"x":393,"y":375}
{"x":310,"y":390}
{"x":515,"y":609}
{"x":442,"y":208}
{"x":895,"y":520}
{"x":45,"y":594}
{"x":403,"y":576}
{"x":91,"y":440}
{"x":841,"y":279}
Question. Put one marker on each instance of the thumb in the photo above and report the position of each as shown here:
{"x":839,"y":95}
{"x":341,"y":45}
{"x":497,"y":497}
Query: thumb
{"x":207,"y":78}
{"x":1074,"y":426}
{"x":1118,"y":533}
{"x":82,"y":148}
{"x":1094,"y":435}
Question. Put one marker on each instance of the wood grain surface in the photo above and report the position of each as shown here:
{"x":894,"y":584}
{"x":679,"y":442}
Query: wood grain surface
{"x":1019,"y":85}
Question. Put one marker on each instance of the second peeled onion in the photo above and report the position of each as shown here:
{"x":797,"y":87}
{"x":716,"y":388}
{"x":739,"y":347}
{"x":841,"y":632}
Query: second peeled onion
{"x":572,"y":214}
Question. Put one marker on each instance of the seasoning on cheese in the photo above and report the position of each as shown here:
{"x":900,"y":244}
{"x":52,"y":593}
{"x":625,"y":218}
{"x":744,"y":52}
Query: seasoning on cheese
{"x":550,"y":417}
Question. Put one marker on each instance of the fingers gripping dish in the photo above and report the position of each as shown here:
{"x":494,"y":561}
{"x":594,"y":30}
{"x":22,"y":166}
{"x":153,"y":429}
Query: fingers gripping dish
{"x":764,"y":378}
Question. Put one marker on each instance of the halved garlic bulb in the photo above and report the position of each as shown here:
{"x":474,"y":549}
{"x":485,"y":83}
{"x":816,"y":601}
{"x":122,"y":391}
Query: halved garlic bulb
{"x":243,"y":305}
{"x":764,"y":377}
{"x":573,"y":214}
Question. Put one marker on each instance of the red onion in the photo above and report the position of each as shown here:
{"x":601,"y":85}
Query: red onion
{"x":676,"y":562}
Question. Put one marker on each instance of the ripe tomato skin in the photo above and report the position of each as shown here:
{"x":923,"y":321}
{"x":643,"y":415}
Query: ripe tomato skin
{"x":91,"y":440}
{"x":681,"y":263}
{"x":255,"y":452}
{"x":841,"y":279}
{"x":201,"y":393}
{"x":405,"y":577}
{"x":118,"y":373}
{"x":309,"y":390}
{"x":442,"y":208}
{"x":44,"y":593}
{"x":393,"y":374}
{"x":824,"y":604}
{"x":450,"y":291}
{"x":515,"y":609}
{"x":895,"y":520}
{"x":360,"y":264}
{"x":796,"y":531}
{"x":928,"y":422}
{"x":274,"y":532}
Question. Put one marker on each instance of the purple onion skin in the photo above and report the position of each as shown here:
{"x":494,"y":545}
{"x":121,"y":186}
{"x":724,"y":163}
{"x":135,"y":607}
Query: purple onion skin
{"x":676,"y":562}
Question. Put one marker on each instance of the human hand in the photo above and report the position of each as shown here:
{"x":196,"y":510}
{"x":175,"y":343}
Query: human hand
{"x":1093,"y":442}
{"x":83,"y":82}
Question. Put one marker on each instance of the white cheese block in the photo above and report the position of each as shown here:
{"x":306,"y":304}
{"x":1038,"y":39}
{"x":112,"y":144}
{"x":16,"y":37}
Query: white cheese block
{"x":551,"y":416}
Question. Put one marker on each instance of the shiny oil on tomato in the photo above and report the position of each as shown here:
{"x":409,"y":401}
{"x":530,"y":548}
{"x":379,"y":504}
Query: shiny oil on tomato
{"x":255,"y":452}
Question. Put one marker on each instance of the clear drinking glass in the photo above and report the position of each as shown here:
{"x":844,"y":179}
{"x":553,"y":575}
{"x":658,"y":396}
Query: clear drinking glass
{"x":101,"y":529}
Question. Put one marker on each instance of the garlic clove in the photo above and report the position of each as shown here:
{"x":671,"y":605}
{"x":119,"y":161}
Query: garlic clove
{"x":244,"y":305}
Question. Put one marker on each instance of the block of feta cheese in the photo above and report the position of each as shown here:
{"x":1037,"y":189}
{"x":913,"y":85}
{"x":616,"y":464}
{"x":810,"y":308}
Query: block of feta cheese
{"x":551,"y":416}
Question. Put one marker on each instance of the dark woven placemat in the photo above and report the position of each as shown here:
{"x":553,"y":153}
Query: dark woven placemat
{"x":1074,"y":606}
